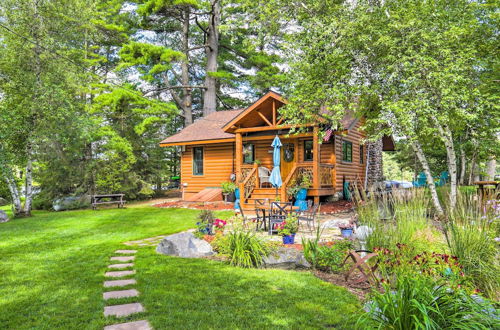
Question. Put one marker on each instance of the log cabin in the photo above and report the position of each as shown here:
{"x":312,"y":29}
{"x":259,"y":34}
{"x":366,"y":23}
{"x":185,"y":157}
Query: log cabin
{"x":233,"y":145}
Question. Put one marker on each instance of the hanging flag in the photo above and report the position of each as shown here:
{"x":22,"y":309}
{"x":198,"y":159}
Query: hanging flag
{"x":328,"y":135}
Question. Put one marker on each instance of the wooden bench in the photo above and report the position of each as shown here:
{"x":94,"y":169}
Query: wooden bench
{"x":102,"y":199}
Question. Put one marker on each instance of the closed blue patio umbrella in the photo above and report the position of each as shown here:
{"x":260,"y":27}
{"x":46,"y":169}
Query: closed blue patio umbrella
{"x":275,"y":178}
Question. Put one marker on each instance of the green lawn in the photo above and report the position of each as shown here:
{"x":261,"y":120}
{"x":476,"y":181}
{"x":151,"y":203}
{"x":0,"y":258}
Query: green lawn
{"x":52,"y":266}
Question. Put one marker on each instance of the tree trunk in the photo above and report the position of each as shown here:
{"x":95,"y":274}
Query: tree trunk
{"x":430,"y":180}
{"x":375,"y":172}
{"x":472,"y":169}
{"x":491,"y":168}
{"x":14,"y":191}
{"x":451,"y":157}
{"x":463,"y":160}
{"x":187,"y":107}
{"x":212,"y":51}
{"x":28,"y":185}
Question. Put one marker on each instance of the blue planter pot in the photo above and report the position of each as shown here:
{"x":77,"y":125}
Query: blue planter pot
{"x":346,"y":232}
{"x":289,"y":239}
{"x":300,"y":199}
{"x":237,"y":193}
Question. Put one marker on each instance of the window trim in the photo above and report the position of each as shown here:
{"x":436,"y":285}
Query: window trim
{"x":253,"y":153}
{"x":312,"y":151}
{"x":345,"y":143}
{"x":202,"y":161}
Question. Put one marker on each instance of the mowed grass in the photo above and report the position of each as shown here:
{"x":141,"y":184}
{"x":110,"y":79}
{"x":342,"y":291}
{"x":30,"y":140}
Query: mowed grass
{"x":52,"y":269}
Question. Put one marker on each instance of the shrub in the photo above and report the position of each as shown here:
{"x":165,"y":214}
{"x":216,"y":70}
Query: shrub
{"x":243,"y":249}
{"x":228,"y":187}
{"x":419,"y":302}
{"x":324,"y":257}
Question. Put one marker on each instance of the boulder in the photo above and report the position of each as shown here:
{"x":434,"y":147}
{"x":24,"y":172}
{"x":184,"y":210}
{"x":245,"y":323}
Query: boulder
{"x":184,"y":245}
{"x":286,"y":258}
{"x":71,"y":203}
{"x":3,"y":216}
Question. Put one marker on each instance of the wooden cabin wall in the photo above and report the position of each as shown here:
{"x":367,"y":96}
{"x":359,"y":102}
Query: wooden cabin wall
{"x":350,"y":171}
{"x":217,"y":167}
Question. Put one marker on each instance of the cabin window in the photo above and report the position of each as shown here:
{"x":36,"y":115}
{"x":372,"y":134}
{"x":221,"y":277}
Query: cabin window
{"x":361,"y":154}
{"x":308,"y":150}
{"x":347,"y":151}
{"x":248,"y":153}
{"x":198,"y":161}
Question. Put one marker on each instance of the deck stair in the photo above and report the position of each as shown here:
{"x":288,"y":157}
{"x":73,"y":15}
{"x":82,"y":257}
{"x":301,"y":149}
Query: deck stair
{"x":260,"y":193}
{"x":206,"y":195}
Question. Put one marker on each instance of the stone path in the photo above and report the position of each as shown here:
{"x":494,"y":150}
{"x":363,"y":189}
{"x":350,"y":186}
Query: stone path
{"x":123,"y":310}
{"x":152,"y":241}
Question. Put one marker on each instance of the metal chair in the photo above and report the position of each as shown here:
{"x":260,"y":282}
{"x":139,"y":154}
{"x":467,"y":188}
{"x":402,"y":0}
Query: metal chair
{"x":260,"y":214}
{"x":275,"y":220}
{"x":281,"y":208}
{"x":309,"y":217}
{"x":264,"y":175}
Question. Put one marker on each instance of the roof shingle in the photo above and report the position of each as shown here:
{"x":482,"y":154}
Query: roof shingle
{"x":206,"y":128}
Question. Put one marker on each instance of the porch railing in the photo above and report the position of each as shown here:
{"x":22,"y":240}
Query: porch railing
{"x":248,"y":183}
{"x":327,"y":175}
{"x":296,"y":171}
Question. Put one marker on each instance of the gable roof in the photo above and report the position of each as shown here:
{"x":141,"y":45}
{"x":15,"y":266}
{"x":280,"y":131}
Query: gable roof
{"x":254,"y":106}
{"x":204,"y":130}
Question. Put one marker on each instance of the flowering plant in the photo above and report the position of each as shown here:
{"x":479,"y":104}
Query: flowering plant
{"x":288,"y":227}
{"x":346,"y":226}
{"x":219,"y":223}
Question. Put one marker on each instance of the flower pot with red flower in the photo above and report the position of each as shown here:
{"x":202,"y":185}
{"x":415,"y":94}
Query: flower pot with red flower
{"x":346,"y":230}
{"x":219,"y":225}
{"x":288,"y":228}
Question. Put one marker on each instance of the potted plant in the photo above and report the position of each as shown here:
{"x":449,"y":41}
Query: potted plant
{"x":288,"y":228}
{"x":346,"y":229}
{"x":228,"y":189}
{"x":298,"y":189}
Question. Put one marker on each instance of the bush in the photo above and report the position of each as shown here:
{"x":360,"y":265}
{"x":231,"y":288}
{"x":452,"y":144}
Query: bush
{"x":324,"y":257}
{"x":243,"y":249}
{"x":228,"y":187}
{"x":419,"y":302}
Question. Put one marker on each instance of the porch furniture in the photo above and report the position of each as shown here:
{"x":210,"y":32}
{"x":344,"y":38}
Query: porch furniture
{"x":107,"y":199}
{"x":309,"y":216}
{"x":281,"y":208}
{"x":359,"y":262}
{"x":260,"y":214}
{"x":264,"y":175}
{"x":275,"y":220}
{"x":488,"y":189}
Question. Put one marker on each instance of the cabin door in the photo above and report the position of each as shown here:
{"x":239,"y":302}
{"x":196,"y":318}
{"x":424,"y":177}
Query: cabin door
{"x":288,"y":155}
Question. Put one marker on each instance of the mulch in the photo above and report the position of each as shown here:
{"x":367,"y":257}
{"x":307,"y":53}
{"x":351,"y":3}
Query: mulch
{"x":360,"y":290}
{"x":341,"y":206}
{"x":215,"y":206}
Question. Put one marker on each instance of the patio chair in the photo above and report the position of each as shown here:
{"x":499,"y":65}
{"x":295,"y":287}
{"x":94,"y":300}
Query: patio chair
{"x":275,"y":220}
{"x":264,"y":175}
{"x":281,"y":208}
{"x":260,"y":214}
{"x":309,"y":216}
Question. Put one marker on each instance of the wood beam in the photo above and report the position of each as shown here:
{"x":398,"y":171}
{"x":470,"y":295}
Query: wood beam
{"x":316,"y":158}
{"x":199,"y":142}
{"x":264,"y":117}
{"x":267,"y":128}
{"x":280,"y":121}
{"x":282,"y":136}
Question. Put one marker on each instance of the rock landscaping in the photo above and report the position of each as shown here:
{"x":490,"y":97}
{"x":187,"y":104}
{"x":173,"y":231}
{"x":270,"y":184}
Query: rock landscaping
{"x":3,"y":216}
{"x":184,"y":245}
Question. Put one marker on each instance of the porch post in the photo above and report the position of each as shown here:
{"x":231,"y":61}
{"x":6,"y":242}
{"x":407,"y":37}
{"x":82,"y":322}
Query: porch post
{"x":239,"y":152}
{"x":316,"y":160}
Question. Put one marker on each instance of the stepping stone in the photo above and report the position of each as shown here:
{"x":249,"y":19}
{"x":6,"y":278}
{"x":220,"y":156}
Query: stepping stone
{"x":137,"y":325}
{"x":109,"y":284}
{"x":123,"y":310}
{"x":120,"y":266}
{"x":126,"y":251}
{"x":120,"y":294}
{"x":120,"y":273}
{"x":128,"y":258}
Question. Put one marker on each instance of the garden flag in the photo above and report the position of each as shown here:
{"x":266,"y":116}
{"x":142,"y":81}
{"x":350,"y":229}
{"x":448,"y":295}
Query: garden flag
{"x":275,"y":178}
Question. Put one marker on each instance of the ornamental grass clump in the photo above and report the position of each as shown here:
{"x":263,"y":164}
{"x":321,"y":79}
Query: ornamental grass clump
{"x":242,"y":248}
{"x":421,"y":302}
{"x":470,"y":234}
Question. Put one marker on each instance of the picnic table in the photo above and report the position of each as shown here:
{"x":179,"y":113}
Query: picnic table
{"x":107,"y":199}
{"x":489,"y":193}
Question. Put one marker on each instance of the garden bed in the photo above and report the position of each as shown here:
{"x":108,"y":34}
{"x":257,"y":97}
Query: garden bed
{"x":215,"y":206}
